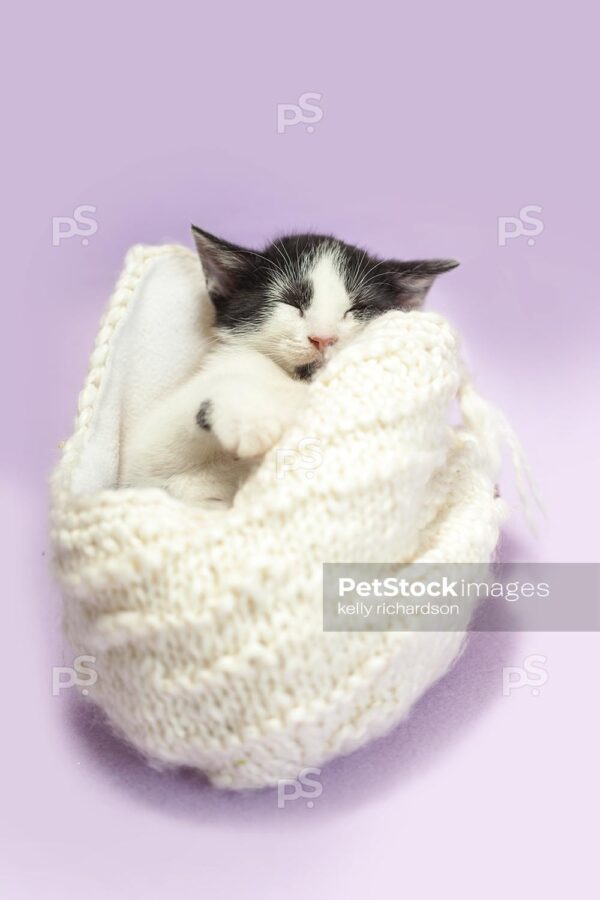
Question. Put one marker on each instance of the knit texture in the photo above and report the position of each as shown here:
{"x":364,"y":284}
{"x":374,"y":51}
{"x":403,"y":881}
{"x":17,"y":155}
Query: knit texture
{"x":206,"y":627}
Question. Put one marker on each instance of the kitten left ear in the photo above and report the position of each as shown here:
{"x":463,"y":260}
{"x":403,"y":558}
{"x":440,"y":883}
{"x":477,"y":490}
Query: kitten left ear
{"x":412,"y":279}
{"x":222,"y":262}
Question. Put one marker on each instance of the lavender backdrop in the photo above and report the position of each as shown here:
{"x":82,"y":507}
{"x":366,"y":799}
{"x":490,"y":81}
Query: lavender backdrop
{"x":431,"y":122}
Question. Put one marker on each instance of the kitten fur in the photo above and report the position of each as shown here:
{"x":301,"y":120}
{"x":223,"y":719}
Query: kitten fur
{"x":280,"y":315}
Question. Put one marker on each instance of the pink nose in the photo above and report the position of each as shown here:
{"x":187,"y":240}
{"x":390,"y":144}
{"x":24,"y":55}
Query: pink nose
{"x":322,"y":343}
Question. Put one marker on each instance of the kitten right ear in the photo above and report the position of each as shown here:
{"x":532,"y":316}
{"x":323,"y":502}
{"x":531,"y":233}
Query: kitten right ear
{"x":222,"y":262}
{"x":412,"y":279}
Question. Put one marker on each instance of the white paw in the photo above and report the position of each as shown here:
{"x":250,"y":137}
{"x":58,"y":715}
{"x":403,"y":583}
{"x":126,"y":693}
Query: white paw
{"x":247,"y":438}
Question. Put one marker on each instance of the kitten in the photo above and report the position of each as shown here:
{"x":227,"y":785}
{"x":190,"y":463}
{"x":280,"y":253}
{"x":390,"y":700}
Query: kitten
{"x":280,"y":315}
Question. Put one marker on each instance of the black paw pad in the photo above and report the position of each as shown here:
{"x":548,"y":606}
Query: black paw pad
{"x":203,"y":415}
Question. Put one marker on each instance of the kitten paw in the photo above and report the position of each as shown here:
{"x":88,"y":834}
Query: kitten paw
{"x":247,"y":440}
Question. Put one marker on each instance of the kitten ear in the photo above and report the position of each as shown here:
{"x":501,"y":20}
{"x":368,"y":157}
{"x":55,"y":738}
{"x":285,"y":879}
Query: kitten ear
{"x":222,"y":262}
{"x":413,"y":278}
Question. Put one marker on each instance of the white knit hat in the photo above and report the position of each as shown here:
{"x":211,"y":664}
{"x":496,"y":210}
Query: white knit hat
{"x":206,"y":629}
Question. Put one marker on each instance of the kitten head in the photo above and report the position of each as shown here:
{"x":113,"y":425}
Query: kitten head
{"x":304,"y":296}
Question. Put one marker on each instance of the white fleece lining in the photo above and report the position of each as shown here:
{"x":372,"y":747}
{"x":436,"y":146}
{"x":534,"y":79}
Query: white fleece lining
{"x":158,"y":342}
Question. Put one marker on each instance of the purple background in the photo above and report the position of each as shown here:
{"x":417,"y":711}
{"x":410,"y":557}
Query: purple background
{"x":437,"y":119}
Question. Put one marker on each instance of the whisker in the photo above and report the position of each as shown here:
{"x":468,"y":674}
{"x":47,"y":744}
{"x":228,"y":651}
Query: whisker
{"x":376,"y":279}
{"x":362,"y":266}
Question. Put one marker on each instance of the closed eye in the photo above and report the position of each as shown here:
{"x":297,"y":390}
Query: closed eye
{"x":365,"y":309}
{"x":292,"y":303}
{"x":289,"y":301}
{"x":297,"y":296}
{"x":359,"y":307}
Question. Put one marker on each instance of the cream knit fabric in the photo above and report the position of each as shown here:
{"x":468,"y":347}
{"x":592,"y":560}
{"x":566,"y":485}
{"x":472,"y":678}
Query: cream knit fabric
{"x":207,"y":628}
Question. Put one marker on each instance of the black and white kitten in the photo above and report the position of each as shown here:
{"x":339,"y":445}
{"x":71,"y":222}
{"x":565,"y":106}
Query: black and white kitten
{"x":280,"y":315}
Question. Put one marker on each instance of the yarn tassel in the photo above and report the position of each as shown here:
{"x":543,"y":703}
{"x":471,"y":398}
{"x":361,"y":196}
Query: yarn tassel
{"x":494,"y":432}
